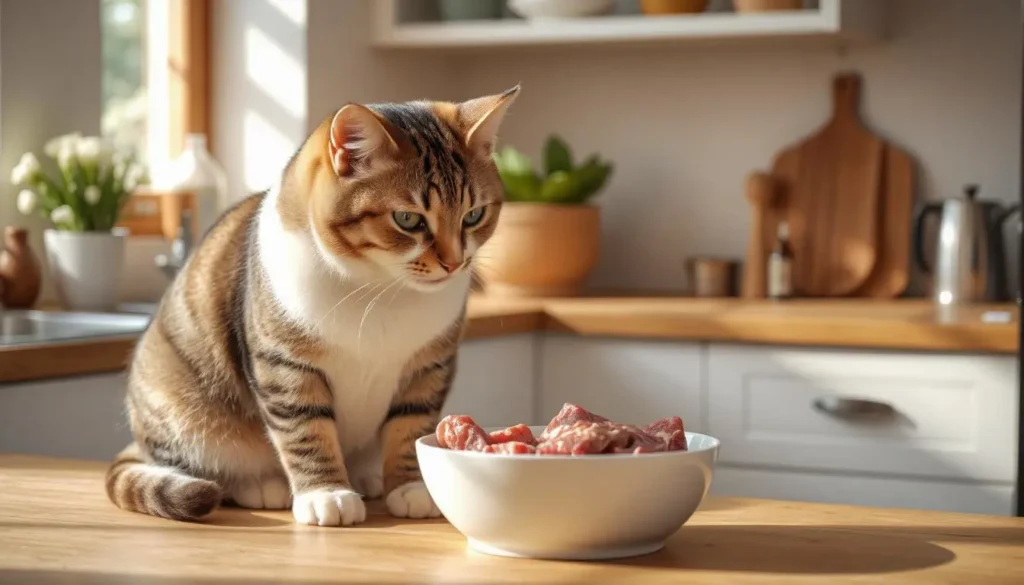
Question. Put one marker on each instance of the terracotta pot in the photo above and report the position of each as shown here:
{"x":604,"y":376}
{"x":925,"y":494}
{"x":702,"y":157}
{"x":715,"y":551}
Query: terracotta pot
{"x":767,"y":5}
{"x":659,"y":7}
{"x":20,"y":275}
{"x":541,"y":250}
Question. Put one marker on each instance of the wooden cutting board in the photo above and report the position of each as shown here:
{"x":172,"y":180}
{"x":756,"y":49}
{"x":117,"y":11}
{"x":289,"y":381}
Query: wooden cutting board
{"x":891,"y":275}
{"x":832,"y":183}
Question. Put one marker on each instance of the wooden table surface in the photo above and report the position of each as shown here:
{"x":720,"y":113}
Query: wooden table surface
{"x":56,"y":526}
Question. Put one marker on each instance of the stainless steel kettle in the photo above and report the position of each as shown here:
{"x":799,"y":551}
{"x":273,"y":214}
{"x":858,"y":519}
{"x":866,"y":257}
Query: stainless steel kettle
{"x":970,"y":263}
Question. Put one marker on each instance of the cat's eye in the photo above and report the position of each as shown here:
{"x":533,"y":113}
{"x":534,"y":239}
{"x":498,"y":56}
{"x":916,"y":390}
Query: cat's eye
{"x":408,"y":221}
{"x":473,"y":217}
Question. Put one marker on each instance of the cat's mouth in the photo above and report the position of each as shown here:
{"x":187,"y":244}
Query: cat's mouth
{"x":438,"y":280}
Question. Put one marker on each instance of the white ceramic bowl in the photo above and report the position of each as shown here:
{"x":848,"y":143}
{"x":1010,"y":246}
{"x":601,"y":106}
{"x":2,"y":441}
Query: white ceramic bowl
{"x":564,"y":507}
{"x":560,"y":8}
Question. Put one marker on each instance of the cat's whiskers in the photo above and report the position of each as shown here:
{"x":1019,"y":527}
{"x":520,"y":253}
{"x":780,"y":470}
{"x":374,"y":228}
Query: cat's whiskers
{"x":338,"y":304}
{"x":402,"y":279}
{"x":366,"y":313}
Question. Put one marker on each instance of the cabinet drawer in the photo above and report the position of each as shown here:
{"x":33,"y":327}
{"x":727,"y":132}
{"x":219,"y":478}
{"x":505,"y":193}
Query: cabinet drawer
{"x":882,"y":492}
{"x":953,"y":416}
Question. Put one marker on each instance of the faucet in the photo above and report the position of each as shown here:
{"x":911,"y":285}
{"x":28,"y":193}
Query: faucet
{"x":181,"y":247}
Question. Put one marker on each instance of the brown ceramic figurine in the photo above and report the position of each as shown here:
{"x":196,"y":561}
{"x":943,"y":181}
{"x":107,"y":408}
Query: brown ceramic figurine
{"x":19,"y":271}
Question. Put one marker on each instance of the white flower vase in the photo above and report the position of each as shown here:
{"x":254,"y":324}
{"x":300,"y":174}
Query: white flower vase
{"x":86,"y":267}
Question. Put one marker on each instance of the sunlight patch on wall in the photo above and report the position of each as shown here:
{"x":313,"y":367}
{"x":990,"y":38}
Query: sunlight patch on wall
{"x":267,"y":149}
{"x":293,"y":10}
{"x":279,"y":75}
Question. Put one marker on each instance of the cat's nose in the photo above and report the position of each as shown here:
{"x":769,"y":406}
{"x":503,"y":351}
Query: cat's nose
{"x":449,"y":268}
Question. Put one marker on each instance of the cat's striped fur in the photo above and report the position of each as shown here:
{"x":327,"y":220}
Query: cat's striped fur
{"x":311,"y":338}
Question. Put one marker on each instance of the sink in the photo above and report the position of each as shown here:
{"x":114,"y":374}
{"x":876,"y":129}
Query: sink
{"x":19,"y":327}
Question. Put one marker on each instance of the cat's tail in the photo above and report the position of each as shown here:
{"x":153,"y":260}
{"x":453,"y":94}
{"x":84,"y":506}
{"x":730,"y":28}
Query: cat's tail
{"x":138,"y":486}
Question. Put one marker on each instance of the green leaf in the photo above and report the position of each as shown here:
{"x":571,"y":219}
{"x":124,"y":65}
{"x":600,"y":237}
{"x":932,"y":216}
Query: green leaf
{"x":557,"y":156}
{"x":591,"y":177}
{"x":520,"y":186}
{"x":510,"y":160}
{"x":560,"y":187}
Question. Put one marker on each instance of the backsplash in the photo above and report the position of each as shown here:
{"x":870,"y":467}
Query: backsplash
{"x":686,"y":124}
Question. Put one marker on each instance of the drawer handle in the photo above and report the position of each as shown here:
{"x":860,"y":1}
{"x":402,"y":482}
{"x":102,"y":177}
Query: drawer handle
{"x":853,"y":408}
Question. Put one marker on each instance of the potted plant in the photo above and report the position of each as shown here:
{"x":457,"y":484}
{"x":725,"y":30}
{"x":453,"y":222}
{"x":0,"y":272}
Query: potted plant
{"x":82,"y":198}
{"x":548,"y":234}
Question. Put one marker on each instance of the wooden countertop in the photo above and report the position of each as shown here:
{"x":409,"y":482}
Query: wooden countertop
{"x":899,"y":325}
{"x":56,"y":526}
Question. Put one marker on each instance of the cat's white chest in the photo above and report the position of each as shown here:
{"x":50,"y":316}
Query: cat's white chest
{"x":370,"y":349}
{"x":371,"y":331}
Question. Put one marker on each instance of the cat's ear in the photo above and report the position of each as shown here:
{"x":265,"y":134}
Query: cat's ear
{"x":361,"y":140}
{"x":482,"y":118}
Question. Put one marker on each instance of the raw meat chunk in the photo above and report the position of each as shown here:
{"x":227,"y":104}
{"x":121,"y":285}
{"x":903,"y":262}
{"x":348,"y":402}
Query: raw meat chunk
{"x":589,"y":438}
{"x":573,"y":431}
{"x":570,"y":415}
{"x":580,"y":438}
{"x":511,"y":448}
{"x":461,"y":432}
{"x":670,"y":430}
{"x":519,"y":433}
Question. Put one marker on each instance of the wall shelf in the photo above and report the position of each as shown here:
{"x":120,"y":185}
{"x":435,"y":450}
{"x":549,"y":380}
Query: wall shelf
{"x":840,"y":21}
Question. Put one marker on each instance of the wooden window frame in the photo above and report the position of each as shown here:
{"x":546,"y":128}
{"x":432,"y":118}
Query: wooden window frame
{"x":188,"y":71}
{"x":178,"y":77}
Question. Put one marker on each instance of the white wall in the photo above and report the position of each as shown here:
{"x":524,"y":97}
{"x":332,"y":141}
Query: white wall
{"x":281,"y":66}
{"x":259,"y":89}
{"x":50,"y":84}
{"x":686,"y":124}
{"x":344,"y":68}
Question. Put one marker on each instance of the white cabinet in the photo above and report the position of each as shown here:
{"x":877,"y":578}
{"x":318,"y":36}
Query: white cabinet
{"x":952,"y":416}
{"x":886,"y":492}
{"x":495,"y":381}
{"x":940,"y":430}
{"x":627,"y":380}
{"x":81,"y":417}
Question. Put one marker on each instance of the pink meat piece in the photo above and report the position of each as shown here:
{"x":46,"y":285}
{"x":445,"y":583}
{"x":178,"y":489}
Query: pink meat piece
{"x":519,"y":434}
{"x":511,"y":448}
{"x":570,"y":415}
{"x":590,"y":438}
{"x":670,"y":431}
{"x":460,"y":432}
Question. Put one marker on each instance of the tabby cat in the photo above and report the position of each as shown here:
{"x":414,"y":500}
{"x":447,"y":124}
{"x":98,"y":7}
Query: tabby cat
{"x":311,"y":337}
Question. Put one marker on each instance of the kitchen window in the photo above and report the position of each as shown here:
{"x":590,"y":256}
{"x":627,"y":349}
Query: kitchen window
{"x":155,"y":86}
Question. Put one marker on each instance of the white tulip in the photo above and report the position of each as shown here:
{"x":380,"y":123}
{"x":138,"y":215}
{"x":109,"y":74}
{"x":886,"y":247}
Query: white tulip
{"x":62,"y":215}
{"x":27,"y":200}
{"x":91,"y":150}
{"x":26,"y":169}
{"x":66,"y":155}
{"x":53,"y":147}
{"x":88,"y":149}
{"x":93,"y":194}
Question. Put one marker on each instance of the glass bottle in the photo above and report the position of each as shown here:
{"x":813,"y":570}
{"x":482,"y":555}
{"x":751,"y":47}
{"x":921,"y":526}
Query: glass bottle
{"x":197,"y":172}
{"x":780,"y":266}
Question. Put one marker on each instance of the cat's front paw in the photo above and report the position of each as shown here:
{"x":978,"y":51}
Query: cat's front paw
{"x":341,"y":507}
{"x":412,"y":500}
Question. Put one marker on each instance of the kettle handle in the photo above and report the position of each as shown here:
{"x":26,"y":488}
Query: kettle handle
{"x":997,"y":281}
{"x":1006,"y":214}
{"x":920,"y":215}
